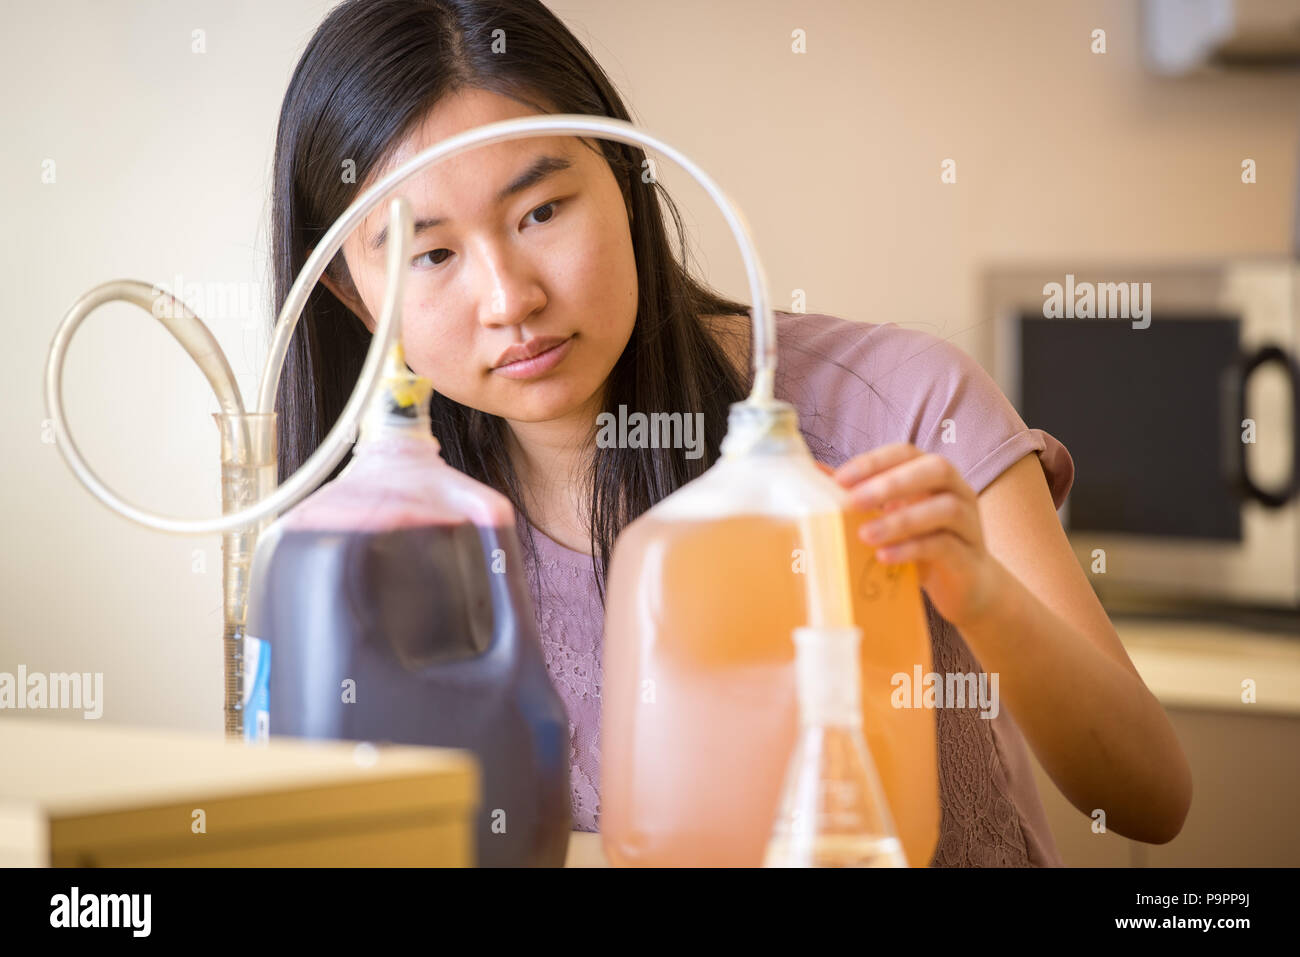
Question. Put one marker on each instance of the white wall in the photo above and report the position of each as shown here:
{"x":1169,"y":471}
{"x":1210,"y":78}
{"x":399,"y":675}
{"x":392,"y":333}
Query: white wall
{"x":163,"y":160}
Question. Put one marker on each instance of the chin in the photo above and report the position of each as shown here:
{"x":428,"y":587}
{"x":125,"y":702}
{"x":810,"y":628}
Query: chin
{"x":543,"y":401}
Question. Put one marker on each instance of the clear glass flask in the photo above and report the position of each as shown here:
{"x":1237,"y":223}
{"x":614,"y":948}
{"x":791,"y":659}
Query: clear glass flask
{"x":833,"y":811}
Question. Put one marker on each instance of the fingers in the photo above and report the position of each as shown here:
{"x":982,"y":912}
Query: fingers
{"x":945,"y":511}
{"x":916,"y":476}
{"x":941,"y":546}
{"x":877,"y":460}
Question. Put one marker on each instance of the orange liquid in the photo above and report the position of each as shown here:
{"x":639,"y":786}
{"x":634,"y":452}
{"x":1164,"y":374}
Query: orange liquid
{"x":700,"y":712}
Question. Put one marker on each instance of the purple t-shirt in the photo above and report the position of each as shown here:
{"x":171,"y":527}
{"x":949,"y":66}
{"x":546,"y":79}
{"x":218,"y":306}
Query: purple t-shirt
{"x":856,"y":385}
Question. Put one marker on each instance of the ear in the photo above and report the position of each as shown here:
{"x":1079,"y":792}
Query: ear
{"x":346,"y":292}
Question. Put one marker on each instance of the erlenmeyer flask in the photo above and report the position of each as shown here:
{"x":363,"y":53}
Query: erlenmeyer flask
{"x":833,"y":811}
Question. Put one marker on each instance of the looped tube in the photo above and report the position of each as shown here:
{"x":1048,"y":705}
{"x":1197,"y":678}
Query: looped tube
{"x":336,"y":444}
{"x":199,"y":342}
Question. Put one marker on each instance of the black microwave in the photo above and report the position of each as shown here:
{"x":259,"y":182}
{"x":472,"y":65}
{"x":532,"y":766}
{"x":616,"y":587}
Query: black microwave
{"x":1175,"y":391}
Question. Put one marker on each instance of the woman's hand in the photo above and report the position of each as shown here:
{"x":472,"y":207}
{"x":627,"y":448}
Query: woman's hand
{"x":930,"y":516}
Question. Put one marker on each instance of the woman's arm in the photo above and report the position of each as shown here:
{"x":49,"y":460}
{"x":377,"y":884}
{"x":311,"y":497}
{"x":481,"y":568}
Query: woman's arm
{"x":999,"y":567}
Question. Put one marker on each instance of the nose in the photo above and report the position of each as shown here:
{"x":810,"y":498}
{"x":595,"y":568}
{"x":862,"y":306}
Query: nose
{"x":510,"y":290}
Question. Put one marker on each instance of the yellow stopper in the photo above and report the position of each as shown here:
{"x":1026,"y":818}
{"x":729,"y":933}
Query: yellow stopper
{"x":405,"y":387}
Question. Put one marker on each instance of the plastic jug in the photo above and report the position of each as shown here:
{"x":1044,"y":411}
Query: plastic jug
{"x":395,"y":609}
{"x":699,"y":709}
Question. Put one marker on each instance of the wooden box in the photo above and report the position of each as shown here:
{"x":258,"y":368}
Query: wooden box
{"x":76,"y":793}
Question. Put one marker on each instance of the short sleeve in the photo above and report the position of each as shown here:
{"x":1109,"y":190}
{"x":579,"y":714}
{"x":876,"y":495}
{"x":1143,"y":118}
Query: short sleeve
{"x":915,"y":387}
{"x":955,"y":409}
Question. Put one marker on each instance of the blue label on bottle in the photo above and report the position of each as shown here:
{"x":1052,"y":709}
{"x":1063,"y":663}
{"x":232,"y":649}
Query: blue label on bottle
{"x":257,"y":690}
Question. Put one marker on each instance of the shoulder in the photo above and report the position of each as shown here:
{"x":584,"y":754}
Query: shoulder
{"x":893,"y":355}
{"x":901,"y":379}
{"x":826,"y":347}
{"x":858,"y":385}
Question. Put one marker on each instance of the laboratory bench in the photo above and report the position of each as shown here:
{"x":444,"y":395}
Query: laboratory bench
{"x":114,"y":794}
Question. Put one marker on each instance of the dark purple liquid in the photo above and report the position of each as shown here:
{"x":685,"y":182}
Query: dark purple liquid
{"x":441,"y":643}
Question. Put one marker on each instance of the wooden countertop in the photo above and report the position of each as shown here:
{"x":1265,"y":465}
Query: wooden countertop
{"x":1194,"y":664}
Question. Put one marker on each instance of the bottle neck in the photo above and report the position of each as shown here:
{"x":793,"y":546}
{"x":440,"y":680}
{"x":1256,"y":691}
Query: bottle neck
{"x":827,"y":676}
{"x":383,"y":427}
{"x":399,"y":409}
{"x":766,"y":428}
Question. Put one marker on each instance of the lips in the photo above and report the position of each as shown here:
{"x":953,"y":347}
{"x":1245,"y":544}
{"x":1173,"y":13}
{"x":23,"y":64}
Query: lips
{"x":539,"y":365}
{"x":527,"y":350}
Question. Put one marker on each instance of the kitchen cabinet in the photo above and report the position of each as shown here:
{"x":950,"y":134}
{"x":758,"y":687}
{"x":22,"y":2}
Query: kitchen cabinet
{"x":1245,"y":756}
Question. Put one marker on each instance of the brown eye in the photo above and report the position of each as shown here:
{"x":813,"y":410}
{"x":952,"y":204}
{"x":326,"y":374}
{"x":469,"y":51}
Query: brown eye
{"x":422,"y":259}
{"x":549,"y":207}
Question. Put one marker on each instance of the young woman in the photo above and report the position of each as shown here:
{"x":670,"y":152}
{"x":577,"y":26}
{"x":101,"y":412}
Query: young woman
{"x":544,"y":290}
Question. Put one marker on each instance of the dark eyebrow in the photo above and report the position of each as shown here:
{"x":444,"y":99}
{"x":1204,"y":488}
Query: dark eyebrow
{"x":542,"y":167}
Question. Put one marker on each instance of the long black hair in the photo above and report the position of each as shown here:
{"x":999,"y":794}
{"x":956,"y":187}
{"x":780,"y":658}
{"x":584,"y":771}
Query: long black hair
{"x":371,"y":72}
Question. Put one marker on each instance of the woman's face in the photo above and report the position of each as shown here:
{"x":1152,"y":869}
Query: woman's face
{"x":552,"y":259}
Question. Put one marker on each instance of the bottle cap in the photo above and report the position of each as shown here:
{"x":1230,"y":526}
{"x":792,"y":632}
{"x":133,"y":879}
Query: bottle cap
{"x":755,"y":427}
{"x":402,"y":399}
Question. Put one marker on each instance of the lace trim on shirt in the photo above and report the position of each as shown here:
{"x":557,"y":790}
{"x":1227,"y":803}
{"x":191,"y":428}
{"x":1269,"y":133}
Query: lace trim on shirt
{"x":574,"y":666}
{"x":980,"y":823}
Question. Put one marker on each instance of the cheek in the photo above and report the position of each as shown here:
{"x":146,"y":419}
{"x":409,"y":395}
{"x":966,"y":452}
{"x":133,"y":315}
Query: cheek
{"x":603,"y":279}
{"x":441,"y":350}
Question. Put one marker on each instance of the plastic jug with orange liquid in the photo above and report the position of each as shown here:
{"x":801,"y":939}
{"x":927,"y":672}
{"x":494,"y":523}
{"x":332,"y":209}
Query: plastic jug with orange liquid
{"x":699,"y":711}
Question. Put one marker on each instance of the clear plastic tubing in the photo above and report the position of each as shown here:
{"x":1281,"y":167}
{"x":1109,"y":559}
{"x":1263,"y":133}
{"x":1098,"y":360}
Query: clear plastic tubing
{"x":200,"y":344}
